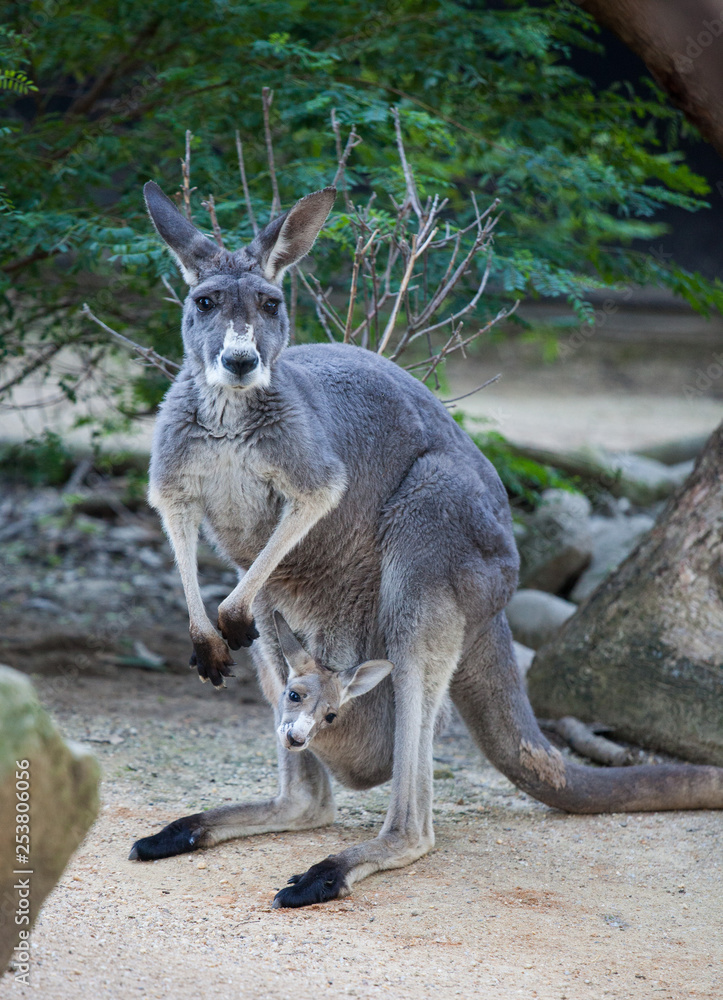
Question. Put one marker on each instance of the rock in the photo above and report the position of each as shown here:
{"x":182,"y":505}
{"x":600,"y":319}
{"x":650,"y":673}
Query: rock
{"x":59,"y":784}
{"x":524,"y":658}
{"x":642,"y":480}
{"x":557,"y":545}
{"x":675,"y":452}
{"x":645,"y":480}
{"x":535,"y":617}
{"x":613,"y":539}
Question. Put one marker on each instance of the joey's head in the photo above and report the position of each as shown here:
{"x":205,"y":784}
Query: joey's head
{"x":234,"y":317}
{"x":314,"y":693}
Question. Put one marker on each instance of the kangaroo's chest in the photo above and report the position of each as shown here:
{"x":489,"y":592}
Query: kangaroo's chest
{"x":241,"y":506}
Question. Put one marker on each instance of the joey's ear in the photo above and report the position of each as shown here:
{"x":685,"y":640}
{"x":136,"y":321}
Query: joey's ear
{"x":359,"y":680}
{"x":191,"y":248}
{"x":290,"y":237}
{"x":294,"y":653}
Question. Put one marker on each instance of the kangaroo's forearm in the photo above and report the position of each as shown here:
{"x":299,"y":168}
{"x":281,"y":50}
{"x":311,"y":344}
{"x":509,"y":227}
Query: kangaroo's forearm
{"x":182,"y":529}
{"x":298,"y":518}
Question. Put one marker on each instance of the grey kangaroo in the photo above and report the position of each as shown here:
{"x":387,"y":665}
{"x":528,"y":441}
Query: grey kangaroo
{"x":371,"y":523}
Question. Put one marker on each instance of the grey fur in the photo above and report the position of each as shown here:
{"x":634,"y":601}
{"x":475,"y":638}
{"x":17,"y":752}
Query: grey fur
{"x":366,"y":517}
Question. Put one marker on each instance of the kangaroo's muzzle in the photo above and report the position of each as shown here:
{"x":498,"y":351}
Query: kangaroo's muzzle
{"x":239,"y":365}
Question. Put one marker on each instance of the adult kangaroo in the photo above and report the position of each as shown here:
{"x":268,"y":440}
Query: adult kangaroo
{"x":369,"y":520}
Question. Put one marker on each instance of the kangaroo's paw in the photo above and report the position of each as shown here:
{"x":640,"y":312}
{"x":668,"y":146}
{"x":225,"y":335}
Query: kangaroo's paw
{"x":237,"y":627}
{"x":212,"y":660}
{"x":179,"y":837}
{"x":321,"y":883}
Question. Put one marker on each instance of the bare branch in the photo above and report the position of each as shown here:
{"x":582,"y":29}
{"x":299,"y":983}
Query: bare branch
{"x":358,"y":254}
{"x":450,"y":347}
{"x":267,"y":97}
{"x":343,"y":157}
{"x":37,"y":362}
{"x":172,"y":296}
{"x":186,"y":172}
{"x":322,"y":306}
{"x":412,"y":195}
{"x":293,"y":300}
{"x":456,"y":399}
{"x":210,"y":206}
{"x":150,"y":356}
{"x":400,"y":294}
{"x":244,"y":183}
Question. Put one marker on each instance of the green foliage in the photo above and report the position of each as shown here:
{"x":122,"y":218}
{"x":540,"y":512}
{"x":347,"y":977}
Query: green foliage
{"x":43,"y":461}
{"x":489,"y":102}
{"x":523,"y":478}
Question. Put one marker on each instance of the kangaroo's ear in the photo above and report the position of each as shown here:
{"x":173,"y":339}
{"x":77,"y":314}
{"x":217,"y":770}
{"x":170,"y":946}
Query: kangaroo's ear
{"x":191,"y":248}
{"x":359,"y":680}
{"x":290,"y":237}
{"x":295,"y":655}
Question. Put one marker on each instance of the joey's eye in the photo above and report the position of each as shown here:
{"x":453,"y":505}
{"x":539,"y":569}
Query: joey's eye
{"x":204,"y":304}
{"x":293,"y":696}
{"x":271,"y":306}
{"x":330,"y":717}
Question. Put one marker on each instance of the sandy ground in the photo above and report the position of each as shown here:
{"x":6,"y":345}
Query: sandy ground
{"x":515,"y":901}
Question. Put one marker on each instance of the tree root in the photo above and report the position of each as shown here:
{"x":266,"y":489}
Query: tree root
{"x":587,"y":743}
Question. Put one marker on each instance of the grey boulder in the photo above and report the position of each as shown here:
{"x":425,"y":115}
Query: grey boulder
{"x":556,"y":545}
{"x":536,"y":617}
{"x":613,"y":539}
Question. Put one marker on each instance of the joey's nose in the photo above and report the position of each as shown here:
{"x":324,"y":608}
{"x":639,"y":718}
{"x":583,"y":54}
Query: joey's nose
{"x":293,"y":742}
{"x":239,"y":366}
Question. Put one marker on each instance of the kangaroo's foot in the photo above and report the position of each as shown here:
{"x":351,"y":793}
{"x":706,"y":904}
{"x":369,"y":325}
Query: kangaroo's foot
{"x":320,"y":884}
{"x":211,"y":658}
{"x":179,"y":837}
{"x":333,"y":877}
{"x":236,"y":625}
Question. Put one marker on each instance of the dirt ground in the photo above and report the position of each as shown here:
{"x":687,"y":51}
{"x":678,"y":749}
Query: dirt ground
{"x":515,"y":901}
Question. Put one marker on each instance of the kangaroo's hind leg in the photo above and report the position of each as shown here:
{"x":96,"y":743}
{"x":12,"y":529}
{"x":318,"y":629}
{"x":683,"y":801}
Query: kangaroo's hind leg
{"x":424,"y":648}
{"x":304,"y":800}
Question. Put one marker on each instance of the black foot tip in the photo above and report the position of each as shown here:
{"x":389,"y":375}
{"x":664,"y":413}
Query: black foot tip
{"x":179,"y":837}
{"x":322,"y":883}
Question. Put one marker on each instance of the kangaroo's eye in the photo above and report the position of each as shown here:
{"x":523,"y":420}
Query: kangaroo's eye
{"x":204,"y":304}
{"x":271,"y":306}
{"x":293,"y":696}
{"x":330,"y":717}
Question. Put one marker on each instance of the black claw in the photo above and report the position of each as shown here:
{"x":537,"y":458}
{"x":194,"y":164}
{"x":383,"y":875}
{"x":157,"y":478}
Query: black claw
{"x":321,"y":883}
{"x":209,"y":669}
{"x":179,"y":837}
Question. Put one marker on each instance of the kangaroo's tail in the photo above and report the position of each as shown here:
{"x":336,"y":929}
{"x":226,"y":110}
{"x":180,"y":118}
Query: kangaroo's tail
{"x":490,"y":696}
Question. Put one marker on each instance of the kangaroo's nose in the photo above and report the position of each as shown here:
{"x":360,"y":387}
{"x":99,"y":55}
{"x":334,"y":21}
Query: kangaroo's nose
{"x":240,"y":366}
{"x":293,"y":742}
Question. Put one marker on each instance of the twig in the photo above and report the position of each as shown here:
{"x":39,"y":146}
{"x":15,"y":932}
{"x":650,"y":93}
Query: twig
{"x":37,"y":362}
{"x":152,"y":357}
{"x":397,"y":302}
{"x":321,"y":303}
{"x":244,"y":184}
{"x":342,"y":158}
{"x":461,"y":344}
{"x":358,"y":253}
{"x":456,"y":399}
{"x":210,"y":206}
{"x":186,"y":172}
{"x":408,"y":175}
{"x":173,"y":297}
{"x":583,"y":740}
{"x":293,"y":299}
{"x":267,"y":97}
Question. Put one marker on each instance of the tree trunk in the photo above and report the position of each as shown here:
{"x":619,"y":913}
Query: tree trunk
{"x":681,"y":43}
{"x":644,"y":654}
